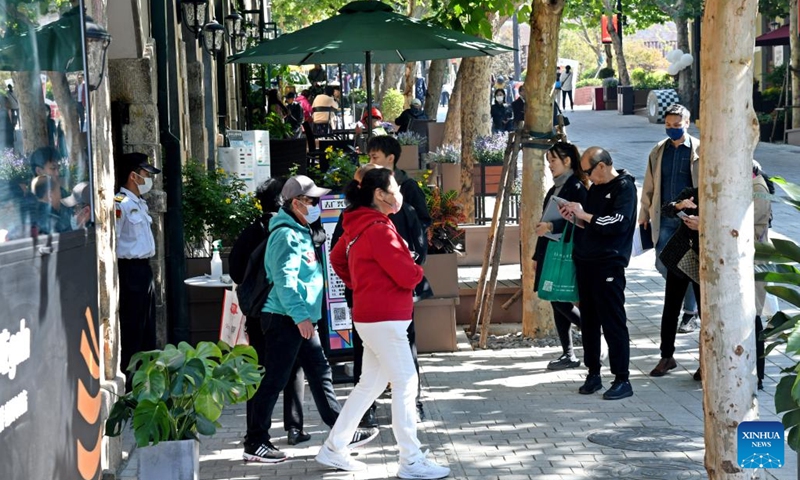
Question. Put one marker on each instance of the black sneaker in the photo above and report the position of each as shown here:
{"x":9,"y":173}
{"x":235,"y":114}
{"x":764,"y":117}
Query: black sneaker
{"x":362,"y":437}
{"x":688,"y":323}
{"x":264,"y":452}
{"x":369,"y":420}
{"x":591,"y":385}
{"x":297,"y":436}
{"x":563,"y":362}
{"x":618,"y":391}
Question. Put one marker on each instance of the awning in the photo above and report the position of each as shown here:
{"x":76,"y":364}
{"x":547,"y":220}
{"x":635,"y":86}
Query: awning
{"x":774,"y":38}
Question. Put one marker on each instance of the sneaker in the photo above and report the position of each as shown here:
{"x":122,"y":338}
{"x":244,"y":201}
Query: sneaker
{"x":339,"y":461}
{"x":563,"y":362}
{"x":591,"y":385}
{"x":688,"y":323}
{"x":363,"y":436}
{"x":422,"y":467}
{"x":369,"y":420}
{"x":264,"y":452}
{"x":420,"y":412}
{"x":618,"y":390}
{"x":297,"y":436}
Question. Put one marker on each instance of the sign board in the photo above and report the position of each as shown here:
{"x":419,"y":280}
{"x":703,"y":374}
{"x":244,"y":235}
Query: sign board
{"x":604,"y":35}
{"x":50,"y":357}
{"x":340,"y":323}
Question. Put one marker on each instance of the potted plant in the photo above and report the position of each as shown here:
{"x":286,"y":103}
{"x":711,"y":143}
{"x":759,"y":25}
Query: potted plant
{"x":610,"y":93}
{"x":178,"y":393}
{"x":410,"y":143}
{"x":216,"y":206}
{"x":489,"y":152}
{"x":341,"y":169}
{"x":285,"y":148}
{"x":447,"y":160}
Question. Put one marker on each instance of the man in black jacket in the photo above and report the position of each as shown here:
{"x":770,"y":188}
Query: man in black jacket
{"x":601,"y":255}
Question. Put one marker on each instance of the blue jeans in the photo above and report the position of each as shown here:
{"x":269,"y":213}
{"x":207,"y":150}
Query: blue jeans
{"x":668,"y":228}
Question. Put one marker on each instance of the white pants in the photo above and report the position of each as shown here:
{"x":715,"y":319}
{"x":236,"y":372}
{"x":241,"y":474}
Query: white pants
{"x":387,"y":358}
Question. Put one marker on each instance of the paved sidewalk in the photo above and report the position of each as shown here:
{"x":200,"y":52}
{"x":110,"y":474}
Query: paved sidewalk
{"x":500,"y":414}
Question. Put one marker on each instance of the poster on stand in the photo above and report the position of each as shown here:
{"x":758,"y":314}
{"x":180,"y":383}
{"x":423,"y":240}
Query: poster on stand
{"x":339,"y":321}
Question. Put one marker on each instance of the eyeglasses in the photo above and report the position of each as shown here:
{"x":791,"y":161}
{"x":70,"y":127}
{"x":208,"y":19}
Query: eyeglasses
{"x":308,"y":200}
{"x":591,"y":169}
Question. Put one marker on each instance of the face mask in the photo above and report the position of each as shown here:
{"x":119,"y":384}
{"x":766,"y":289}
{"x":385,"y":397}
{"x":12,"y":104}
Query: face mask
{"x":314,"y":211}
{"x":148,"y":184}
{"x":499,"y":99}
{"x":676,"y":133}
{"x":397,"y":205}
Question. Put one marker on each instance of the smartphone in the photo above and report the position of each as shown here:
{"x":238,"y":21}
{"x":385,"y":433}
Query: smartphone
{"x":682,"y":214}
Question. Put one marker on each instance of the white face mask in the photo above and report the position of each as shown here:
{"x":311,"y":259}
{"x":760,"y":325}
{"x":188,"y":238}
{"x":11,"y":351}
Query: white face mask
{"x":314,"y":211}
{"x":397,"y":205}
{"x":147,"y":186}
{"x":499,"y":98}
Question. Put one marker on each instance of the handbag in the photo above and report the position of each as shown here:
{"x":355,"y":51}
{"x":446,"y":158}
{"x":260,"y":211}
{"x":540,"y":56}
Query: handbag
{"x":558,"y":282}
{"x":231,"y":327}
{"x":689,"y":265}
{"x":677,"y":247}
{"x":558,"y":84}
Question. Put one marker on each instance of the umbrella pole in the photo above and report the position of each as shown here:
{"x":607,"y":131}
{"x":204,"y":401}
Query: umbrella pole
{"x":368,"y":81}
{"x":341,"y":93}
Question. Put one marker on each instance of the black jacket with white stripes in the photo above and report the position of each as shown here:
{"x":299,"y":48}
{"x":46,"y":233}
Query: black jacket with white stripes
{"x":607,"y":239}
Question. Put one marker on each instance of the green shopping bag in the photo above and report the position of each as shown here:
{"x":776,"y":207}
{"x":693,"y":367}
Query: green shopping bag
{"x":558,"y":282}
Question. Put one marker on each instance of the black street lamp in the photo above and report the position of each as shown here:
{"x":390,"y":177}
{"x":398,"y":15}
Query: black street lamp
{"x":97,"y":41}
{"x":213,"y":38}
{"x":233,"y":24}
{"x":194,"y":13}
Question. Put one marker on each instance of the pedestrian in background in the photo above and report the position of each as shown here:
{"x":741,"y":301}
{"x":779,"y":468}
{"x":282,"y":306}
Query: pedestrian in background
{"x":601,"y":253}
{"x":501,"y":112}
{"x":374,"y":261}
{"x":567,"y":81}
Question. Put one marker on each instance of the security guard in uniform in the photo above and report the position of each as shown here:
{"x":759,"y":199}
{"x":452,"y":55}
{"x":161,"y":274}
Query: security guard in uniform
{"x":135,"y":247}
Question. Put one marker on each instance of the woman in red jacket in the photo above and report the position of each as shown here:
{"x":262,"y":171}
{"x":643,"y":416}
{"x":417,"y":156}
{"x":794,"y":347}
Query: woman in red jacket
{"x":374,"y":261}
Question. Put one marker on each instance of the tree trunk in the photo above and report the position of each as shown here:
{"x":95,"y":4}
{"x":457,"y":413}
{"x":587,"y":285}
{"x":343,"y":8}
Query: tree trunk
{"x":794,"y":63}
{"x":685,"y":90}
{"x":537,"y":316}
{"x":31,"y":110}
{"x":475,"y":122}
{"x":727,"y":338}
{"x":69,"y":115}
{"x":391,"y":77}
{"x":609,"y":56}
{"x":452,"y":123}
{"x":409,"y":80}
{"x":622,"y":67}
{"x":377,"y":77}
{"x":435,"y":81}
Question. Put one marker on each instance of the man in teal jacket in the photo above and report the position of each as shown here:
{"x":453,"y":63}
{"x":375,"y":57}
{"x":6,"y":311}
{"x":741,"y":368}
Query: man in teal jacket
{"x":289,"y":319}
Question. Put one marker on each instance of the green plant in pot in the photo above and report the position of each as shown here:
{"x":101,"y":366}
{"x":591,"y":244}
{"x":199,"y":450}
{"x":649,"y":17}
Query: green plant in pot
{"x":489,"y":150}
{"x":783,"y":274}
{"x":445,"y":154}
{"x":444,"y":235}
{"x":179,"y":392}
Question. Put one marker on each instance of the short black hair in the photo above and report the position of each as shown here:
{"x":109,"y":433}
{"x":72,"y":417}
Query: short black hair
{"x":329,"y":90}
{"x":361,"y":194}
{"x":385,"y":144}
{"x":268,"y":194}
{"x":680,"y":110}
{"x":43,"y":156}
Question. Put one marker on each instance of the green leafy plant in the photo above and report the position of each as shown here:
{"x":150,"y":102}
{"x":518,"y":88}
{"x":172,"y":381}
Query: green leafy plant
{"x":610,"y":82}
{"x":392,"y":104}
{"x":589,"y":82}
{"x":444,"y":235}
{"x":411,"y":138}
{"x":358,"y":95}
{"x":651,"y":80}
{"x":341,"y":169}
{"x":278,"y":129}
{"x":489,"y":150}
{"x":216,"y":206}
{"x":445,"y":154}
{"x":179,"y":392}
{"x":606,"y":72}
{"x":783,"y":273}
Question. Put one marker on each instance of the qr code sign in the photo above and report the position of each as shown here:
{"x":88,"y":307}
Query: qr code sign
{"x":547,"y":286}
{"x":340,"y":317}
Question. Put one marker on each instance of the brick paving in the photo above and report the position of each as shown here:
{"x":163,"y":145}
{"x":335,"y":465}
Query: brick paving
{"x":500,"y":414}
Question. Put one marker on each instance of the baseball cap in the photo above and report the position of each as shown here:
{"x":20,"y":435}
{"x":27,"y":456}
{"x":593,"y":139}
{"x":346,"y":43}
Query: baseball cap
{"x":302,"y":185}
{"x":131,"y":162}
{"x":80,"y":195}
{"x":416,"y":102}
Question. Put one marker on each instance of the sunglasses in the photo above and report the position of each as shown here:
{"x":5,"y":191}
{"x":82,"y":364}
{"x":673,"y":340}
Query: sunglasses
{"x":309,"y":200}
{"x":591,"y":169}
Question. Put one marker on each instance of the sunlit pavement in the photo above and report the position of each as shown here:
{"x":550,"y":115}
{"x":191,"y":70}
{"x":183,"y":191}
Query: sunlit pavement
{"x":501,"y":414}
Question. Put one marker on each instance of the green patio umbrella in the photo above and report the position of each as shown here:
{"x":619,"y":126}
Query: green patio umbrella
{"x":54,"y":47}
{"x":368,"y":32}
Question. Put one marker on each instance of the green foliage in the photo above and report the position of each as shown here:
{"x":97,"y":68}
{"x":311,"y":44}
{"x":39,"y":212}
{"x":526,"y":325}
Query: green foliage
{"x":180,"y":391}
{"x":776,"y":77}
{"x":358,"y":95}
{"x":445,"y":154}
{"x":638,"y":55}
{"x":783,"y":273}
{"x":589,"y":82}
{"x":771,"y":94}
{"x":278,"y":129}
{"x":446,"y":212}
{"x":341,"y":169}
{"x":588,"y":73}
{"x":572,"y":45}
{"x":215,"y":206}
{"x":392,"y":104}
{"x":610,"y":82}
{"x":605,"y":72}
{"x":773,"y":8}
{"x":652,"y":80}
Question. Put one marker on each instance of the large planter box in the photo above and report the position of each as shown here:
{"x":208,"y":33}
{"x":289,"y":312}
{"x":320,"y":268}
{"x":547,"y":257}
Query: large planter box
{"x":177,"y":460}
{"x":793,"y":136}
{"x":640,"y":97}
{"x":435,"y":135}
{"x":765,"y":132}
{"x":284,"y":154}
{"x":486,"y":179}
{"x":475,"y":238}
{"x":450,"y":174}
{"x":409,"y":157}
{"x":435,"y":318}
{"x":598,"y":103}
{"x":441,"y":270}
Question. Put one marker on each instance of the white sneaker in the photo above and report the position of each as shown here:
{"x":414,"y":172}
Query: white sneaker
{"x":329,"y":458}
{"x":422,"y":467}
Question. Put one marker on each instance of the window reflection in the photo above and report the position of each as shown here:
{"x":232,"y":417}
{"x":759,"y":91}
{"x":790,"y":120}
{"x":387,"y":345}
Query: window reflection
{"x":44,"y":173}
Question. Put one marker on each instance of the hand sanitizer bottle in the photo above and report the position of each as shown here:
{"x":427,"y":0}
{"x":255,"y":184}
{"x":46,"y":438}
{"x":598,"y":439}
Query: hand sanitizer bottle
{"x":216,"y":261}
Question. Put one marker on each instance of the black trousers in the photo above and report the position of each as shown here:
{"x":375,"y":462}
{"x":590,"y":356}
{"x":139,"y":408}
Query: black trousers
{"x":674,"y":293}
{"x":564,"y":95}
{"x":358,"y":355}
{"x":137,"y":310}
{"x":295,"y":390}
{"x":601,"y":289}
{"x":760,"y":360}
{"x":283,"y":346}
{"x":565,"y":314}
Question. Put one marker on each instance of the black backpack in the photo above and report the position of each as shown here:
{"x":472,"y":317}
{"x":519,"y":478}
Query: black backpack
{"x":255,"y":287}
